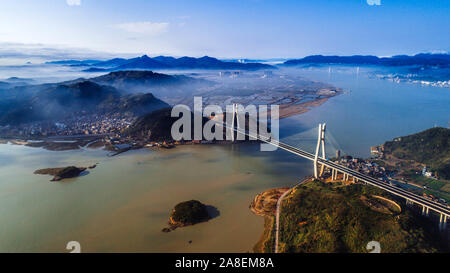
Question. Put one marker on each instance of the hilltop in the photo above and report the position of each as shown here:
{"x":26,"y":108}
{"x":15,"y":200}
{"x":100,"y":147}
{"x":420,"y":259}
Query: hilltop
{"x":156,"y":126}
{"x":64,"y":100}
{"x":189,"y":213}
{"x":430,"y":147}
{"x":319,"y":217}
{"x":162,"y":85}
{"x":166,"y":62}
{"x":407,"y":156}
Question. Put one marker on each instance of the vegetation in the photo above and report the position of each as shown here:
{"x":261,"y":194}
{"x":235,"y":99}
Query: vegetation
{"x":430,"y":147}
{"x":65,"y":100}
{"x":265,"y":204}
{"x":319,"y":217}
{"x":190,"y":212}
{"x":157,"y":125}
{"x":61,"y":173}
{"x":266,"y":241}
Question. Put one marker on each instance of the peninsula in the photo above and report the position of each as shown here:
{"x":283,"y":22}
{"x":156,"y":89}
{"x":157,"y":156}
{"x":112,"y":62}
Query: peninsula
{"x":331,"y":216}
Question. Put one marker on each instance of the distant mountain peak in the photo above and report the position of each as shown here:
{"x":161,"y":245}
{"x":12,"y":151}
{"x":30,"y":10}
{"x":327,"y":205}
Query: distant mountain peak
{"x":167,"y":62}
{"x":398,"y":60}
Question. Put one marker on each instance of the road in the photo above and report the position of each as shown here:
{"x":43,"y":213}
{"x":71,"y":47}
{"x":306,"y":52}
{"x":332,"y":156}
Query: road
{"x":277,"y":215}
{"x":439,"y":208}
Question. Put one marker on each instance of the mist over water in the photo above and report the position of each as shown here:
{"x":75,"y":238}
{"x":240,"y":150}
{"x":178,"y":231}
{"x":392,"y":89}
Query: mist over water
{"x":123,"y":204}
{"x":370,"y":112}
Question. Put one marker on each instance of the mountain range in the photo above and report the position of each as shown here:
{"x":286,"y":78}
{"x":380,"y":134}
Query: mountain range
{"x":163,"y":86}
{"x":80,"y":97}
{"x":159,"y":84}
{"x":162,"y":62}
{"x":423,"y":59}
{"x":166,"y":62}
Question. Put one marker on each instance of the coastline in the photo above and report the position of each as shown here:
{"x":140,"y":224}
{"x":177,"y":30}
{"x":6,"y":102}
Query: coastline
{"x":268,"y":204}
{"x":66,"y":143}
{"x":293,"y":109}
{"x":265,"y":204}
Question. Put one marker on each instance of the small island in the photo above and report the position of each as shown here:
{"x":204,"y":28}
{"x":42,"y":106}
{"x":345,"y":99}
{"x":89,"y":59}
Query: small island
{"x":62,"y":173}
{"x":188,"y":213}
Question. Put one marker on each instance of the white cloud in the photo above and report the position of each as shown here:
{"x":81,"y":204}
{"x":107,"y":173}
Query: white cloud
{"x":73,"y":2}
{"x":149,"y":28}
{"x":374,"y":2}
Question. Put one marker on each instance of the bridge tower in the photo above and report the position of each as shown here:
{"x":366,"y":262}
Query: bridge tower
{"x":235,"y":117}
{"x":320,"y":142}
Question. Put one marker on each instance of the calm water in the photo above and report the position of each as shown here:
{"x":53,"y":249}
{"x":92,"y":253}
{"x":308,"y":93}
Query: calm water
{"x":123,"y":204}
{"x":370,"y":112}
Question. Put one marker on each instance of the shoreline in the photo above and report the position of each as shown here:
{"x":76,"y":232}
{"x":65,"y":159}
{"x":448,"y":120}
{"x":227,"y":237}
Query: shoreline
{"x":264,"y":204}
{"x":66,"y":143}
{"x":268,"y":204}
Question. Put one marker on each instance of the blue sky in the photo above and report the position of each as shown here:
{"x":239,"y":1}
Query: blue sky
{"x":226,"y":28}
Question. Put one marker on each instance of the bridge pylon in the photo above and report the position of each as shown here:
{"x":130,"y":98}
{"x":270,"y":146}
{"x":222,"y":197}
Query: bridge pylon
{"x":320,"y":142}
{"x":235,"y":117}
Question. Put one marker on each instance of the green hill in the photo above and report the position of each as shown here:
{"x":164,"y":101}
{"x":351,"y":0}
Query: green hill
{"x":430,"y":147}
{"x":79,"y":98}
{"x":190,"y":212}
{"x":319,"y":217}
{"x":157,"y":125}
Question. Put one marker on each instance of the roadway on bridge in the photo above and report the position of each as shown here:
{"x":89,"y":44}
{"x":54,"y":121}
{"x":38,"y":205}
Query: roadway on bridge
{"x":370,"y":180}
{"x":440,"y":208}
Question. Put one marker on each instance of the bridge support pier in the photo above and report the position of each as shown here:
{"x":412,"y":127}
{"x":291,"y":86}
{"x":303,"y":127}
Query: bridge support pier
{"x":443,"y":222}
{"x":425,"y":210}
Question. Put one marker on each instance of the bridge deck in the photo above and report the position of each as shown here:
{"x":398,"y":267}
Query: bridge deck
{"x":440,"y":208}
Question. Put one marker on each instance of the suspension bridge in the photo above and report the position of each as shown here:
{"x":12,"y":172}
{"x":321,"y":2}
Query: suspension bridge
{"x":321,"y":162}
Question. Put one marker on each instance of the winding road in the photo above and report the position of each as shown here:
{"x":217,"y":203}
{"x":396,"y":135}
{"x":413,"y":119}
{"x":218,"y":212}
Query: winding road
{"x":277,"y":215}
